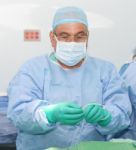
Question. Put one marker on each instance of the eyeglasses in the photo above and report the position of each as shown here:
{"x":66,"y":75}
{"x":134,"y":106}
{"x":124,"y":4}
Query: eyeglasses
{"x":64,"y":37}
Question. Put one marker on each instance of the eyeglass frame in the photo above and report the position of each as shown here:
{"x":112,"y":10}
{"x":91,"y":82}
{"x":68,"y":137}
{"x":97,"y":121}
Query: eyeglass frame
{"x":69,"y":37}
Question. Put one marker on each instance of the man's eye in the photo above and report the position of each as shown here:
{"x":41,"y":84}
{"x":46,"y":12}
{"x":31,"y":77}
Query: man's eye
{"x":64,"y":37}
{"x":79,"y":37}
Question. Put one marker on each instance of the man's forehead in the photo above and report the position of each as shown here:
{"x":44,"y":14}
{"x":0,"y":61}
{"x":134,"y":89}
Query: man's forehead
{"x":71,"y":28}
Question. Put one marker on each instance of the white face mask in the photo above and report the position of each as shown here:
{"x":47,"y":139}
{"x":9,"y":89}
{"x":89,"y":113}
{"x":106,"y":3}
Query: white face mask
{"x":70,"y":53}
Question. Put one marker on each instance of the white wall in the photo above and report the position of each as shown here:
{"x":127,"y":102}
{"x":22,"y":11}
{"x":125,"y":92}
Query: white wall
{"x":112,"y":30}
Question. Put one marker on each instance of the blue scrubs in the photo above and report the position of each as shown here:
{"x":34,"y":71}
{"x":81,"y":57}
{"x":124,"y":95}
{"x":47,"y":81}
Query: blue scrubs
{"x":123,"y":68}
{"x":129,"y":76}
{"x":41,"y":82}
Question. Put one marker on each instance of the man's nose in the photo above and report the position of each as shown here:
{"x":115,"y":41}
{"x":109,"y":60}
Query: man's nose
{"x":72,"y":39}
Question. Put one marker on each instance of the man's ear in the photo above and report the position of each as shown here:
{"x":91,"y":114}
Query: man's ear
{"x":52,"y":39}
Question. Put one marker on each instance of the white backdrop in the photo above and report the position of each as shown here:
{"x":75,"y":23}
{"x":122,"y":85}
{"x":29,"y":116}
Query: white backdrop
{"x":112,"y":30}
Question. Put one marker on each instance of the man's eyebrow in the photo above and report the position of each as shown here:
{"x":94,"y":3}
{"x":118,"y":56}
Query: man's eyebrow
{"x":63,"y":33}
{"x":82,"y":32}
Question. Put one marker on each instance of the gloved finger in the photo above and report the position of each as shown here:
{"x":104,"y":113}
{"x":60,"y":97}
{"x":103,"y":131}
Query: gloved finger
{"x":70,"y":110}
{"x":93,"y":111}
{"x":87,"y":110}
{"x":97,"y":117}
{"x":106,"y":114}
{"x":73,"y":105}
{"x":105,"y":122}
{"x":70,"y":122}
{"x":73,"y":116}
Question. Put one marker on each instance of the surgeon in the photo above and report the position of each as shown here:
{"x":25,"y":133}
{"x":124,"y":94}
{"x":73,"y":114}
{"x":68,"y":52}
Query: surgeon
{"x":60,"y":99}
{"x":125,"y":66}
{"x":129,"y":76}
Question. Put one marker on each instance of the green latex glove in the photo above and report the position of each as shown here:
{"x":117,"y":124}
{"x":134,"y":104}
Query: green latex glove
{"x":106,"y":118}
{"x":65,"y":113}
{"x":94,"y":113}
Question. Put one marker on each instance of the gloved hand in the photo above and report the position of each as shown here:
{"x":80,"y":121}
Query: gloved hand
{"x":65,"y":113}
{"x":94,"y":113}
{"x":106,"y":118}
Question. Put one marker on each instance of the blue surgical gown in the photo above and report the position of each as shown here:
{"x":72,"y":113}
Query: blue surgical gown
{"x":123,"y":68}
{"x":41,"y":82}
{"x":129,"y":76}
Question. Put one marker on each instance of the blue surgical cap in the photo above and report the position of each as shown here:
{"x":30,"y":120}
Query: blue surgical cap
{"x":69,"y":15}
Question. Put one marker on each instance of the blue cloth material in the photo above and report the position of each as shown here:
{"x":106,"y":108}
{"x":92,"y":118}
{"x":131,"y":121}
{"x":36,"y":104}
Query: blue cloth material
{"x":123,"y":68}
{"x":129,"y":76}
{"x":8,"y":132}
{"x":40,"y":82}
{"x":69,"y":15}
